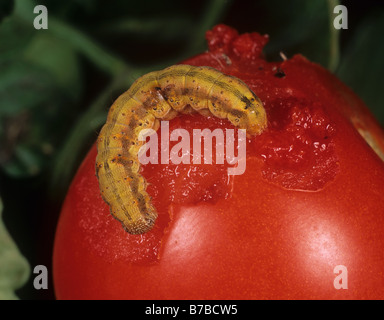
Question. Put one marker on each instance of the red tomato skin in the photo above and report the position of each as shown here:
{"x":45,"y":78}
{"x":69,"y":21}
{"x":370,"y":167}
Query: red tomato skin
{"x":266,"y":241}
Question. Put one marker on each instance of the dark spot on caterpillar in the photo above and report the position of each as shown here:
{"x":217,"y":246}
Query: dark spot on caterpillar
{"x":237,"y":113}
{"x":129,"y":218}
{"x":134,"y":189}
{"x":247,"y":102}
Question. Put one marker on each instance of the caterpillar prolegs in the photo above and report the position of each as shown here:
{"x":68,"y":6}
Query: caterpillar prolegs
{"x":156,"y":96}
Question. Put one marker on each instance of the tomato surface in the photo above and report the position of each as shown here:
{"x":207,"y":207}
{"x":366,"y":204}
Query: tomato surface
{"x":310,"y":200}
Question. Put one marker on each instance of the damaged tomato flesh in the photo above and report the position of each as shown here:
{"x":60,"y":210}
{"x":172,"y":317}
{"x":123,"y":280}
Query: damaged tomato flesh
{"x":309,"y":200}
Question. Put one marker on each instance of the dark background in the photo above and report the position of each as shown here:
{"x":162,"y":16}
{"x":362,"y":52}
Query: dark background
{"x":56,"y":85}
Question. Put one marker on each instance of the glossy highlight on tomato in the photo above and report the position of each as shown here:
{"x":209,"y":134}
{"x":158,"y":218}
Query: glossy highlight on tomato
{"x":309,"y":200}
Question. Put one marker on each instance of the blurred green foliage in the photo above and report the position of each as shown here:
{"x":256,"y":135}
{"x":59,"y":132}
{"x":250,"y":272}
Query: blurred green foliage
{"x":14,"y":268}
{"x":56,"y":85}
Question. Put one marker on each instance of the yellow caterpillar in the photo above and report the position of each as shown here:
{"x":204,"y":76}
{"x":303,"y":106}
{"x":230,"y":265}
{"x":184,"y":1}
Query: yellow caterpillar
{"x":156,"y":96}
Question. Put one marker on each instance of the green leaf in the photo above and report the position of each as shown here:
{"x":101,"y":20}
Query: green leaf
{"x":14,"y":268}
{"x":362,"y":63}
{"x":26,"y":161}
{"x":14,"y":37}
{"x":22,"y":87}
{"x":58,"y":59}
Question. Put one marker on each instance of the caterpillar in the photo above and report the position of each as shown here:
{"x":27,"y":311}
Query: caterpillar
{"x":161,"y":95}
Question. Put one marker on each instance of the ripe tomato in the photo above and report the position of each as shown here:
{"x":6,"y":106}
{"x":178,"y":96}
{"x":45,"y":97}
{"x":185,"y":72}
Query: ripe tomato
{"x":309,"y":201}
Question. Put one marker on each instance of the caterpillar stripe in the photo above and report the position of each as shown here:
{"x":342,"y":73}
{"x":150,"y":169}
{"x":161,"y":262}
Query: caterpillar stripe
{"x":156,"y":96}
